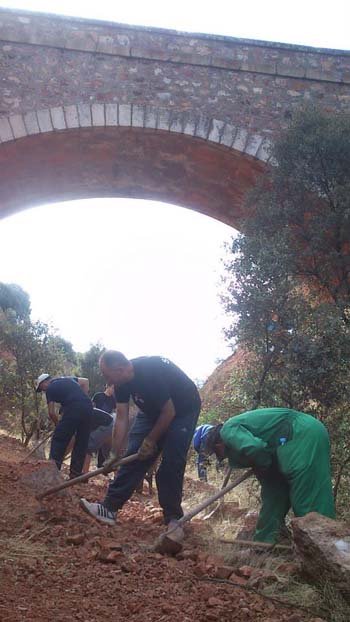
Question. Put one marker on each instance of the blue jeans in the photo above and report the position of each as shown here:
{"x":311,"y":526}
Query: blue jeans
{"x":75,"y":420}
{"x":169,"y":479}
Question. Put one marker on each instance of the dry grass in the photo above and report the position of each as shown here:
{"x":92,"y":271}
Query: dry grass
{"x":22,"y":548}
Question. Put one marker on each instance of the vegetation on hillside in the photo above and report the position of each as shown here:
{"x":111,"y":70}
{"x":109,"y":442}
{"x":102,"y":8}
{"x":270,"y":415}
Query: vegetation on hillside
{"x":288,"y":281}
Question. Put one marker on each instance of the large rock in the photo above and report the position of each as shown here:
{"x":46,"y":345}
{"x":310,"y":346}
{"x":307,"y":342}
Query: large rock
{"x":323,"y":545}
{"x":41,"y":476}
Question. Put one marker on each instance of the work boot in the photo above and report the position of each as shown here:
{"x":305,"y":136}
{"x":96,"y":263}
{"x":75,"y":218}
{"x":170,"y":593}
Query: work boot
{"x":178,"y":534}
{"x":98,"y":511}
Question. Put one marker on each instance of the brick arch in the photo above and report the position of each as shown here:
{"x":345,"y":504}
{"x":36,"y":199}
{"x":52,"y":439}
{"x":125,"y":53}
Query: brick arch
{"x":83,"y":115}
{"x":126,"y":150}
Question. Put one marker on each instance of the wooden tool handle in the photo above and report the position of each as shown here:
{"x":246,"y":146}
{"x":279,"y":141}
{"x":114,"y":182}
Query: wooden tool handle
{"x":217,"y":495}
{"x":85,"y":477}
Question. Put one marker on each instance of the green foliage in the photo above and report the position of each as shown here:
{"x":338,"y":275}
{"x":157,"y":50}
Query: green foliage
{"x":288,"y":276}
{"x":89,"y":367}
{"x":30,"y":348}
{"x":13,"y":297}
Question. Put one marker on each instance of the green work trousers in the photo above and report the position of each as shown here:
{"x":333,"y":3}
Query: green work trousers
{"x":303,"y":482}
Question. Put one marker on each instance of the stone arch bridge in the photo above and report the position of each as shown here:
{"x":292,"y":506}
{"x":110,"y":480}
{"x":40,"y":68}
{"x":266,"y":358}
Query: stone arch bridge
{"x":96,"y":109}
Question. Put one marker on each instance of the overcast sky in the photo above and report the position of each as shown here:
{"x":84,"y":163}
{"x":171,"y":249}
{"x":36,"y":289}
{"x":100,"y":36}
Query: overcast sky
{"x":139,"y":276}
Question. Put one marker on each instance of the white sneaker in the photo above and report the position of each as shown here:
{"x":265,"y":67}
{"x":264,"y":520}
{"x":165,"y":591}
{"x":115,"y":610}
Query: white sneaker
{"x":98,"y":511}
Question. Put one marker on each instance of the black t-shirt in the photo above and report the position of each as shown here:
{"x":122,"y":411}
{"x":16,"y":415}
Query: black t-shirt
{"x":156,"y":381}
{"x":66,"y":391}
{"x":104,"y":402}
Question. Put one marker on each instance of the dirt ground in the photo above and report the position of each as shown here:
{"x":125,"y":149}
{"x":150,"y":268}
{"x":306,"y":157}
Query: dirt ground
{"x":56,"y":563}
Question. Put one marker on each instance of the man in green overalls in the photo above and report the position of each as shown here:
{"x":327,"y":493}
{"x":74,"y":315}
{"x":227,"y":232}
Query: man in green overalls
{"x":290,"y":454}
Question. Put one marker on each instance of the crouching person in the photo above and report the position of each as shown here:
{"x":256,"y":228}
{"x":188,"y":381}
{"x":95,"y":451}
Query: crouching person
{"x":76,"y":419}
{"x":170,"y":406}
{"x":290,"y":454}
{"x":100,"y":442}
{"x":198,"y":445}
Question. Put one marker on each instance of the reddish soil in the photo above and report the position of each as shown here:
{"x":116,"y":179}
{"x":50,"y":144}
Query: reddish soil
{"x":58,"y":564}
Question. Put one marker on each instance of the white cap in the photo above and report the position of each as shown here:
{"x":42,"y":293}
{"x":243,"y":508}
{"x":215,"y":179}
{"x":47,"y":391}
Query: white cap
{"x":39,"y":380}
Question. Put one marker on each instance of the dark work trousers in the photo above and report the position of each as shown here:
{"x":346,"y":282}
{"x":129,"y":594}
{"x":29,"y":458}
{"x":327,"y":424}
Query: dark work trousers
{"x":76,"y":420}
{"x":169,"y":479}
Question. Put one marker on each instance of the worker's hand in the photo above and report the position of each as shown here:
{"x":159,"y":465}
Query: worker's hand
{"x":147,"y":449}
{"x":108,"y":464}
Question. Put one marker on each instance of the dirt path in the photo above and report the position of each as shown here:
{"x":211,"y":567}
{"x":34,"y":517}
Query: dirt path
{"x":58,"y":564}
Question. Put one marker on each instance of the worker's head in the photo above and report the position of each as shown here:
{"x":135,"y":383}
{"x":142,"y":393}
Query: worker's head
{"x":109,"y":390}
{"x":213,"y":443}
{"x":116,"y":368}
{"x":42,"y":382}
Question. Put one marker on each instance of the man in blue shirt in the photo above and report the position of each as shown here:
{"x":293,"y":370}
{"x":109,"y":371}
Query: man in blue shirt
{"x":72,"y":394}
{"x":198,"y":445}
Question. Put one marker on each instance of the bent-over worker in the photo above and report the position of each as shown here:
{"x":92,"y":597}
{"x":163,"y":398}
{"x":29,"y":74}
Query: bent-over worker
{"x":169,"y":406}
{"x":290,"y":454}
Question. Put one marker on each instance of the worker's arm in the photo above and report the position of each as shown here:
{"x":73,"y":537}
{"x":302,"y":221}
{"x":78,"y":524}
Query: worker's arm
{"x":120,"y":429}
{"x":149,"y":445}
{"x":164,"y":420}
{"x":52,"y":412}
{"x":241,"y":440}
{"x":84,"y":384}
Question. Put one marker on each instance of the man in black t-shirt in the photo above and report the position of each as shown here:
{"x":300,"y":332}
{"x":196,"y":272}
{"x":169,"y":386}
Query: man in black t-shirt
{"x":72,"y":394}
{"x":169,"y":406}
{"x":105,"y":400}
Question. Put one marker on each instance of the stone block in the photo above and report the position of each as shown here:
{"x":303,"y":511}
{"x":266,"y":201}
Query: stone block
{"x":216,"y":130}
{"x":151,"y":117}
{"x":111,"y":114}
{"x":57,"y":116}
{"x":253,"y":144}
{"x":203,"y":127}
{"x":17,"y":125}
{"x":190,"y":126}
{"x":5,"y":131}
{"x":228,"y":135}
{"x":138,"y":115}
{"x":125,"y":115}
{"x":264,"y":151}
{"x":107,"y":45}
{"x":44,"y":120}
{"x":31,"y":123}
{"x":98,"y":114}
{"x":163,"y":119}
{"x":82,"y":40}
{"x":292,"y":71}
{"x":176,"y":124}
{"x":323,"y":545}
{"x":84,"y":113}
{"x":71,"y":114}
{"x":240,"y":140}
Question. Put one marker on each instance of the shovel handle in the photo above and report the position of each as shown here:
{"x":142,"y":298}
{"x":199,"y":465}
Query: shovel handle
{"x":201,"y":506}
{"x":44,"y":440}
{"x":85,"y":477}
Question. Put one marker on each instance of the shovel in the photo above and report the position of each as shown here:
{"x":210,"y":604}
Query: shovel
{"x":168,"y":544}
{"x":86,"y":476}
{"x":44,"y":440}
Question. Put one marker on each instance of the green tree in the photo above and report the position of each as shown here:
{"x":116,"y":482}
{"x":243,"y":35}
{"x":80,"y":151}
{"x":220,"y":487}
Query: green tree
{"x":30,"y":347}
{"x":13,"y":297}
{"x":89,"y":367}
{"x":288,"y":276}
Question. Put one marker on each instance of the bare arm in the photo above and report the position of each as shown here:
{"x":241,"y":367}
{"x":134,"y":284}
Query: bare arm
{"x":120,"y":429}
{"x":52,"y":412}
{"x":84,"y":384}
{"x":163,"y":422}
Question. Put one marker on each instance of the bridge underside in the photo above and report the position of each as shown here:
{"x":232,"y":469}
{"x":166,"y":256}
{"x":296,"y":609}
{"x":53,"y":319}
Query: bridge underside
{"x":125,"y":162}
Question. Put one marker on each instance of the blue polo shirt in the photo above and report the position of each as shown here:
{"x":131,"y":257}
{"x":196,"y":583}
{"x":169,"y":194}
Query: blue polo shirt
{"x":199,"y":435}
{"x":66,"y":391}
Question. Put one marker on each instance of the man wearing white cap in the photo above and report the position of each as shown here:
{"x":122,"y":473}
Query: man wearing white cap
{"x":72,"y":394}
